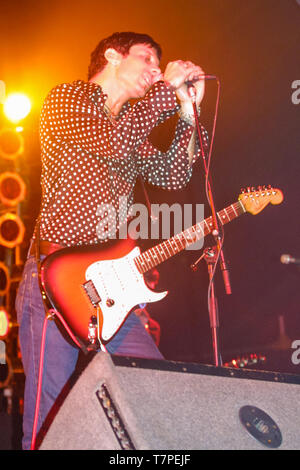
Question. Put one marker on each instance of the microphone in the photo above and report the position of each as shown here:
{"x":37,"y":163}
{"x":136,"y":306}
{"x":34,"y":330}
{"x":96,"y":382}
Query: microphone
{"x":190,"y":83}
{"x":288,"y":259}
{"x":200,"y":77}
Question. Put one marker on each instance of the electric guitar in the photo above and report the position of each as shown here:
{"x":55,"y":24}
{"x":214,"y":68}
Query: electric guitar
{"x":95,"y":287}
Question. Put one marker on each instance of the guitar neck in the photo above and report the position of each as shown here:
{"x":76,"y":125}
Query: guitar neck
{"x":174,"y":245}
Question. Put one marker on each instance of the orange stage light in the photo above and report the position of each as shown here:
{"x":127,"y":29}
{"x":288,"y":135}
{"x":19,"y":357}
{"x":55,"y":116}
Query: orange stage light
{"x":16,"y":107}
{"x":4,"y":279}
{"x":11,"y":144}
{"x":11,"y":230}
{"x":4,"y":323}
{"x":12,"y":188}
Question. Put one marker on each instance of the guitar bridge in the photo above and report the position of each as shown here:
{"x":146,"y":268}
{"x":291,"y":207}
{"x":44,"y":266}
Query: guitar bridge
{"x":91,"y":292}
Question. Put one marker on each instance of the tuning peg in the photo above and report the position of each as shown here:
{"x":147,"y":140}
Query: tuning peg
{"x":243,"y":190}
{"x":259,"y":188}
{"x":248,"y":189}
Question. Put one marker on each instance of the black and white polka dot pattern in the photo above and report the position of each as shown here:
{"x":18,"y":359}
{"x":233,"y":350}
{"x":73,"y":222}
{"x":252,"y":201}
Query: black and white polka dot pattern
{"x":87,"y":161}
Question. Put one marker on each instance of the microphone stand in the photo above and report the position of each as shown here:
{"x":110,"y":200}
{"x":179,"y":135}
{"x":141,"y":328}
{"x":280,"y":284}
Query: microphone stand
{"x":210,"y":256}
{"x":212,"y":261}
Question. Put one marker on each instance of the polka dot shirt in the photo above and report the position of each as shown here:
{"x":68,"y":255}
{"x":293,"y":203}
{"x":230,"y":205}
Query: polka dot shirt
{"x":88,"y":161}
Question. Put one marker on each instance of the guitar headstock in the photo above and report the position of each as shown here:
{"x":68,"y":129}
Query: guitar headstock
{"x":255,"y":200}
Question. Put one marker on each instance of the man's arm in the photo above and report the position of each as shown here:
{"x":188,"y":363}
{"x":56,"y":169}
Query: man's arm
{"x":171,"y":170}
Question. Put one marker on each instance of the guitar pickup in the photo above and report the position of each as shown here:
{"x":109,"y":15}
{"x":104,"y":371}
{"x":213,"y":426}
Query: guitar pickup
{"x":91,"y":292}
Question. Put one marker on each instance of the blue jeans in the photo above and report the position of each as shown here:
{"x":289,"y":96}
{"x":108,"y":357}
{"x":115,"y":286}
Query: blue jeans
{"x":60,"y":356}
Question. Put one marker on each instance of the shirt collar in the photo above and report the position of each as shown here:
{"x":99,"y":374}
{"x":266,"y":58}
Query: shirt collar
{"x":93,"y":90}
{"x":97,"y":95}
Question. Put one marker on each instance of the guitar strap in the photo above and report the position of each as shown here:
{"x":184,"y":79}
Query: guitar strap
{"x":151,"y":215}
{"x":46,"y":301}
{"x":37,"y":247}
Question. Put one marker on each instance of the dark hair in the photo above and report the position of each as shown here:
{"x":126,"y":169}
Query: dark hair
{"x":121,"y":42}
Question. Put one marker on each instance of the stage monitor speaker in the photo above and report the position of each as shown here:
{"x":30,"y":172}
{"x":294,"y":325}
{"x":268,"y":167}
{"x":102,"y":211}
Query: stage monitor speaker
{"x":123,"y":403}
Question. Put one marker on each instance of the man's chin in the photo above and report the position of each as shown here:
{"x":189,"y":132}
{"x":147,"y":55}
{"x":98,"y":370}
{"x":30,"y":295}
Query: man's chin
{"x":142,"y":91}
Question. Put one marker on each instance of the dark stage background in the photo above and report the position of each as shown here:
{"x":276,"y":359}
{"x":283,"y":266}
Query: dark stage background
{"x":253,"y":47}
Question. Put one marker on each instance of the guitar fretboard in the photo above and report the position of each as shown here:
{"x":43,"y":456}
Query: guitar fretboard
{"x":174,"y":245}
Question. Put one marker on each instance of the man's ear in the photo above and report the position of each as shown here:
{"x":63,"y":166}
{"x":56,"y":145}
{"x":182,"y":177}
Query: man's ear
{"x":112,"y":56}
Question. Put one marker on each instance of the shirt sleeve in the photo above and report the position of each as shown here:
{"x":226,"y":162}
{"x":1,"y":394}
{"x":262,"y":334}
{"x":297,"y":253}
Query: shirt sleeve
{"x":171,"y":170}
{"x":71,"y":116}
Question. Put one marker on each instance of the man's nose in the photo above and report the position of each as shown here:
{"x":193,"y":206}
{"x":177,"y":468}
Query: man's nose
{"x":156,"y":73}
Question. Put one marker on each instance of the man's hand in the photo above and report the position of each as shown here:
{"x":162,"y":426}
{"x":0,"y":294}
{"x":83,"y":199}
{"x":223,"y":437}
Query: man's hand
{"x":178,"y":73}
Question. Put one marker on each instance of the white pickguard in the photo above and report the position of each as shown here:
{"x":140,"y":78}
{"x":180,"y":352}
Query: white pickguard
{"x":120,"y":281}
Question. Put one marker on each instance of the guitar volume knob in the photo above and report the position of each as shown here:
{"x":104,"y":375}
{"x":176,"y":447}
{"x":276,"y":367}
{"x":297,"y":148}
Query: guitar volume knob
{"x":110,"y":302}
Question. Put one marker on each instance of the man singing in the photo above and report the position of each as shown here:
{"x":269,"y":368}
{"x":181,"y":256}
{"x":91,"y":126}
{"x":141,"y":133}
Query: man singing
{"x":94,"y":145}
